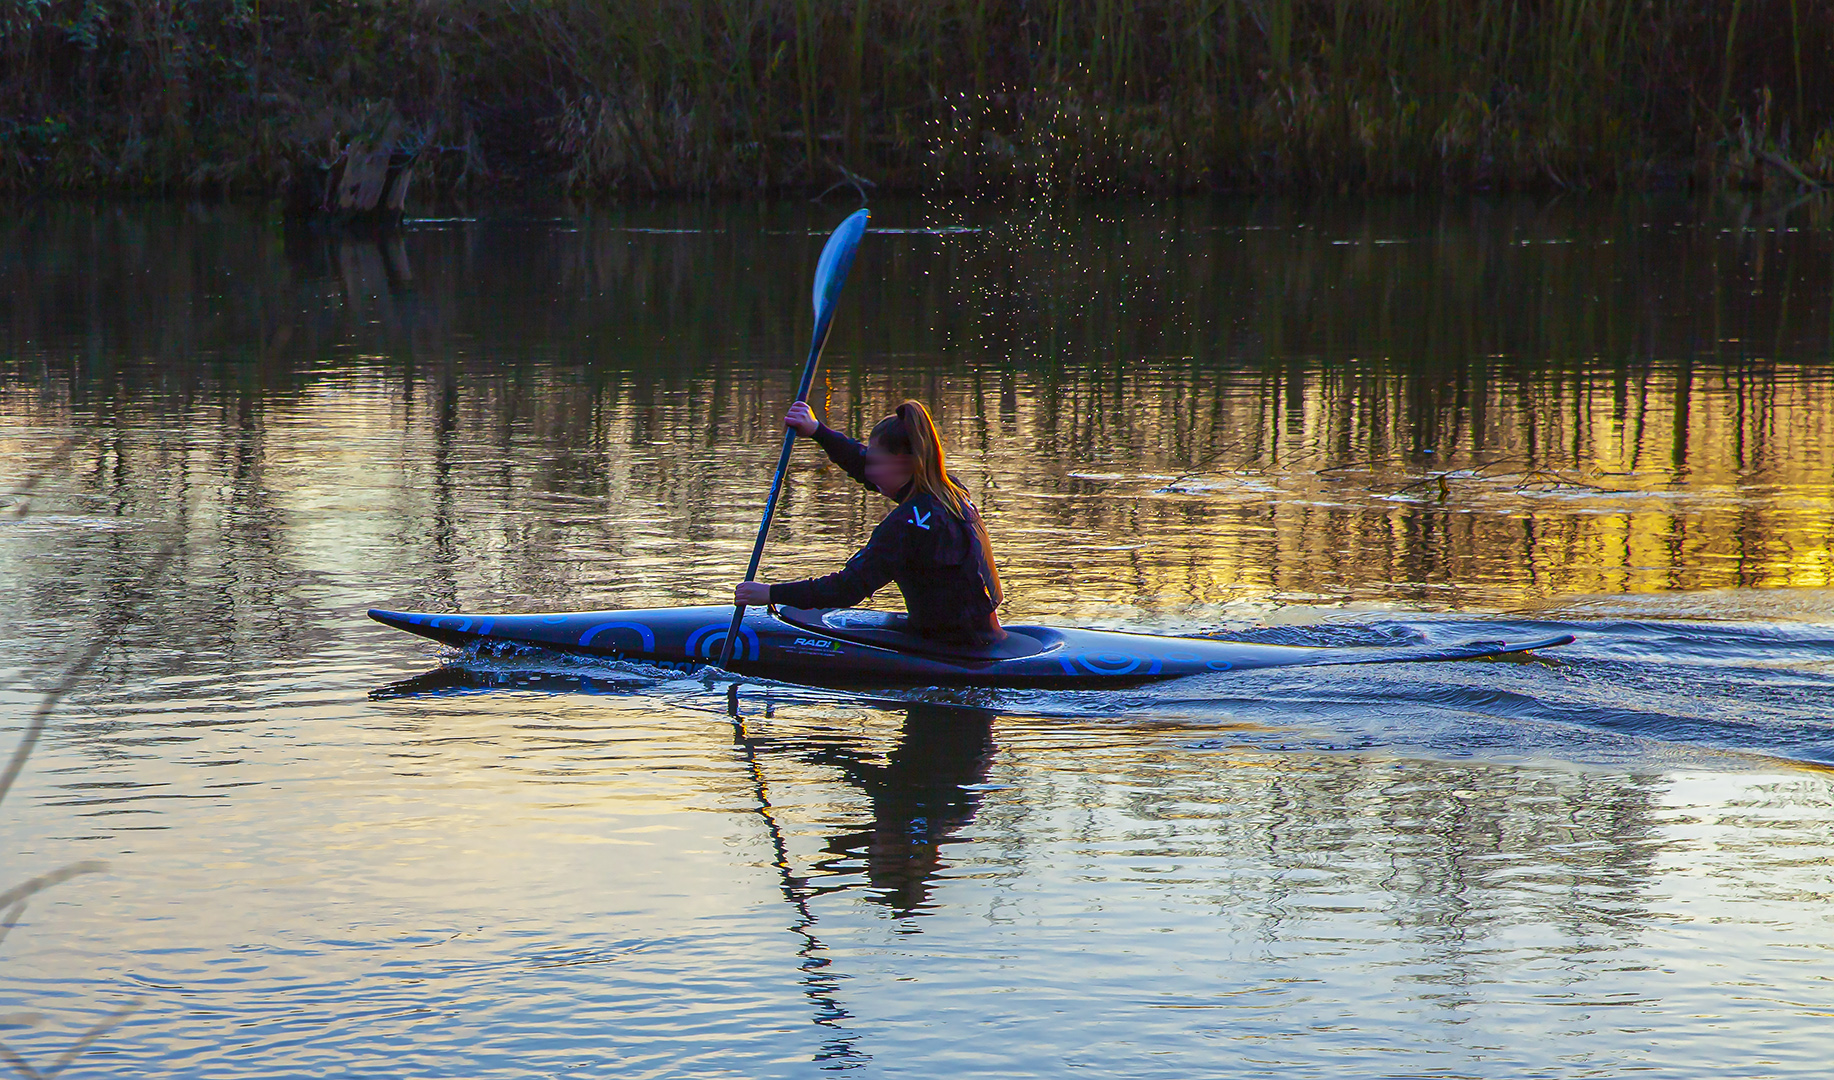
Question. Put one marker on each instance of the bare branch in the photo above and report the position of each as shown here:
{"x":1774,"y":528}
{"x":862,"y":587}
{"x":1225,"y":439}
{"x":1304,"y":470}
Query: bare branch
{"x":45,"y":881}
{"x":6,"y":927}
{"x":103,"y":1026}
{"x":19,"y":1064}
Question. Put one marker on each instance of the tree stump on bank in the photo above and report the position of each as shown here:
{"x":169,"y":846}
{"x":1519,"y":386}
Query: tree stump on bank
{"x":365,"y":180}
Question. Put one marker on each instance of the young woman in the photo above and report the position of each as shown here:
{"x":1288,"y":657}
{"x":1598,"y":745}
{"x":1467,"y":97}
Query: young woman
{"x":933,"y":545}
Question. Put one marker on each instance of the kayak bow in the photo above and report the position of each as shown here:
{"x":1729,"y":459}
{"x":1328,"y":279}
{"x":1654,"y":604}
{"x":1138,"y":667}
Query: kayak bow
{"x":852,"y":647}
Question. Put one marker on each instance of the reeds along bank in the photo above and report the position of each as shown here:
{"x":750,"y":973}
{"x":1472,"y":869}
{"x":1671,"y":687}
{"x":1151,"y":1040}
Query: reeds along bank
{"x":626,"y":97}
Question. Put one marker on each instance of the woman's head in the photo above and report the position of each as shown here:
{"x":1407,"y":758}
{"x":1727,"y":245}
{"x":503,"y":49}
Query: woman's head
{"x":904,"y":448}
{"x":890,"y":463}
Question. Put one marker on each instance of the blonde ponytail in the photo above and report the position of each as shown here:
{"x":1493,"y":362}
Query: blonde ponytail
{"x":910,"y":430}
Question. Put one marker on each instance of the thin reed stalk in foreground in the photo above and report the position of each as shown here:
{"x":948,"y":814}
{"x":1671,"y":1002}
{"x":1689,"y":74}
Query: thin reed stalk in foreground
{"x":14,"y":900}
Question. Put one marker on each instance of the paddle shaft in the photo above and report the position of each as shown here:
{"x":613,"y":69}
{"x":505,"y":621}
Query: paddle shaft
{"x":783,"y":464}
{"x":830,"y":275}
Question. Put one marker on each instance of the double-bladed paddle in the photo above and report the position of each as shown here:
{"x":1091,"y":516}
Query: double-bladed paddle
{"x":830,"y":275}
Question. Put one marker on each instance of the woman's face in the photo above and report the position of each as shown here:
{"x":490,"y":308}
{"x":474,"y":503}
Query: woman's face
{"x":888,"y":472}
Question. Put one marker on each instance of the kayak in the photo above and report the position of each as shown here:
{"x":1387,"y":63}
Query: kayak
{"x":854,"y":647}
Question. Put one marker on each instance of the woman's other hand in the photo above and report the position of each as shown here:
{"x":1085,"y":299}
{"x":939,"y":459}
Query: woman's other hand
{"x":802,"y":418}
{"x":750,"y":593}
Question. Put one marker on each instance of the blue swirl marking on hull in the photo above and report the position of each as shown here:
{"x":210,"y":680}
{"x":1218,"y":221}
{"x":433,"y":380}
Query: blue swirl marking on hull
{"x":644,"y":632}
{"x":706,"y":641}
{"x":1114,"y":664}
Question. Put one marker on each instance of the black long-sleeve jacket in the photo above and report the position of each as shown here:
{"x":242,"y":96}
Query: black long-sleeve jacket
{"x":934,"y":556}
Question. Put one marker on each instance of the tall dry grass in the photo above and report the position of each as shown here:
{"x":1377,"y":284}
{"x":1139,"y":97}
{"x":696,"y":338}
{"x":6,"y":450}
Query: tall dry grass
{"x":619,"y":96}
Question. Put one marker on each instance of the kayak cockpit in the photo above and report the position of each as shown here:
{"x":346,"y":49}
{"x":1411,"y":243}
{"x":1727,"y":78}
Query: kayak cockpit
{"x":888,"y":630}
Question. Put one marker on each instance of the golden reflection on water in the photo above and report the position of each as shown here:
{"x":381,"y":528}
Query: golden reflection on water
{"x":1473,"y":415}
{"x":549,"y":499}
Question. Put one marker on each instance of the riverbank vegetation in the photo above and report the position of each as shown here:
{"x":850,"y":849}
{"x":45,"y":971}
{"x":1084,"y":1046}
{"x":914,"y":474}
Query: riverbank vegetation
{"x":614,"y":97}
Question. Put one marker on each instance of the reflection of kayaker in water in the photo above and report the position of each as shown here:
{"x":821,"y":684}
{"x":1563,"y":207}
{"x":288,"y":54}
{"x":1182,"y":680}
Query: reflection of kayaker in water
{"x":925,"y":792}
{"x":934,"y":545}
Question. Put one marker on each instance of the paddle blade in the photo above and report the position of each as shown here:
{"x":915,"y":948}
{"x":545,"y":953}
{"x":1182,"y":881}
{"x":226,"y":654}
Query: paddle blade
{"x":836,"y":258}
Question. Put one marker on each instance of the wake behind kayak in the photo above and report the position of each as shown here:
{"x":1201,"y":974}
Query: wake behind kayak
{"x":851,"y":647}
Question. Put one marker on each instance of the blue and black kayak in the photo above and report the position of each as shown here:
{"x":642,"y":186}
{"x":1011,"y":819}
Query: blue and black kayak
{"x":852,"y":647}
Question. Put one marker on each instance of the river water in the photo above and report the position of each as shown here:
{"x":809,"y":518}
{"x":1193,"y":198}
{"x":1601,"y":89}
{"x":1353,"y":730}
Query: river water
{"x":335,"y":850}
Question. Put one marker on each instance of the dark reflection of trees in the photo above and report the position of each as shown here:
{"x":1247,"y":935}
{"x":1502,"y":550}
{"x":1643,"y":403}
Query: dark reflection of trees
{"x":1455,"y":857}
{"x":1576,"y":853}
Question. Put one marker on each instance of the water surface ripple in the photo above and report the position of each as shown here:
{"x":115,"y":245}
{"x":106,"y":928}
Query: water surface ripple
{"x":334,"y":850}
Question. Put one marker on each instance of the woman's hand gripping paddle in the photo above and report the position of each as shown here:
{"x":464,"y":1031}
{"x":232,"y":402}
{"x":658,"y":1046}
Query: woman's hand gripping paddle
{"x":830,"y":275}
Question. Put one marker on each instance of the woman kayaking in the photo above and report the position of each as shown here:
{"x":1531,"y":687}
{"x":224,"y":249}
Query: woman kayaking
{"x":934,"y":545}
